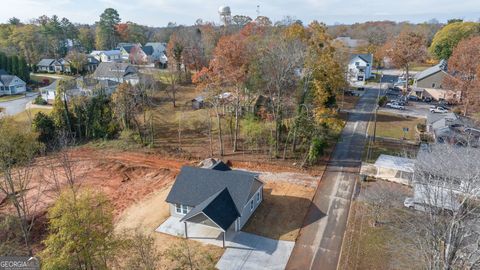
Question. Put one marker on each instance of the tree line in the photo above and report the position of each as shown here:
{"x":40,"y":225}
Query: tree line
{"x":15,"y":65}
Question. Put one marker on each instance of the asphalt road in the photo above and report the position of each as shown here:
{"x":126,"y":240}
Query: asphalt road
{"x":319,"y":243}
{"x":16,"y":106}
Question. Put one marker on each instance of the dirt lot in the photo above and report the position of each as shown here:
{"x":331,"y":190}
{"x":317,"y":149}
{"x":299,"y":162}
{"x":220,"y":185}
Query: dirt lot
{"x":281,"y":214}
{"x":370,"y":247}
{"x":148,"y":214}
{"x":137,"y":184}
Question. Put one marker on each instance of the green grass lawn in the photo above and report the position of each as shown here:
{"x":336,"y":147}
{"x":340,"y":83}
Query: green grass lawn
{"x":39,"y":77}
{"x":391,"y":126}
{"x":388,"y":148}
{"x":28,"y":115}
{"x":12,"y":97}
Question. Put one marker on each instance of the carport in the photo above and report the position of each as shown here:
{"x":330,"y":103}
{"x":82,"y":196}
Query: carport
{"x":395,"y":169}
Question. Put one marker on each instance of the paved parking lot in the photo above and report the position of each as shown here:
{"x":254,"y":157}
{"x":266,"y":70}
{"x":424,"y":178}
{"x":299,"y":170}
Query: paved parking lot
{"x":413,"y":109}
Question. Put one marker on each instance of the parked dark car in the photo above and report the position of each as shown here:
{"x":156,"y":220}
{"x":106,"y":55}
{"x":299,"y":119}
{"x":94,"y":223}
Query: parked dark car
{"x":349,"y":93}
{"x":427,"y":99}
{"x":413,"y":98}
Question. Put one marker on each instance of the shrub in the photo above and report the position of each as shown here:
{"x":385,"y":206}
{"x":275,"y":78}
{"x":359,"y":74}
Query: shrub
{"x":45,"y":126}
{"x":39,"y":101}
{"x":421,"y":127}
{"x":256,"y":133}
{"x":317,"y":149}
{"x":382,"y":101}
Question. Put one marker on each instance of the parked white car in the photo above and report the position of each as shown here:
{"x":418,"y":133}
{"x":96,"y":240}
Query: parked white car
{"x":409,"y":202}
{"x":438,"y":110}
{"x":395,"y":105}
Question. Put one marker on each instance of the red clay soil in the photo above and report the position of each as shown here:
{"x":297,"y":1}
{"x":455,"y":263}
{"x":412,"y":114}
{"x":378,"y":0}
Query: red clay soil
{"x":125,"y":177}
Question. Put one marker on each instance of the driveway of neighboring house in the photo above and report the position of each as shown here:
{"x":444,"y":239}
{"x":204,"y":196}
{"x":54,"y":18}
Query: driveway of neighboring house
{"x":16,"y":106}
{"x":244,"y":251}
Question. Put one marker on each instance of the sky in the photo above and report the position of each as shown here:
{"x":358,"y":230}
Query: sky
{"x":160,"y":12}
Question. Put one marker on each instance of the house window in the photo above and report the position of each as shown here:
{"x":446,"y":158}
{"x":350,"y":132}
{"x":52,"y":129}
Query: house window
{"x":433,"y":85}
{"x":181,"y":209}
{"x":258,"y":196}
{"x":357,"y":63}
{"x":251,"y":205}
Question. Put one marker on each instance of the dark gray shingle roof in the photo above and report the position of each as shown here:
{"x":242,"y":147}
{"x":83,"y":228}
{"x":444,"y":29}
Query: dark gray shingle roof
{"x":220,"y":166}
{"x":219,"y":207}
{"x":194,"y":185}
{"x":367,"y":57}
{"x":440,"y":67}
{"x":45,"y":62}
{"x":113,"y":70}
{"x":7,"y":79}
{"x":148,"y":50}
{"x":127,"y":48}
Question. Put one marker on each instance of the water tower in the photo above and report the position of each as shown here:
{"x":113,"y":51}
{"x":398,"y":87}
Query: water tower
{"x":225,"y":15}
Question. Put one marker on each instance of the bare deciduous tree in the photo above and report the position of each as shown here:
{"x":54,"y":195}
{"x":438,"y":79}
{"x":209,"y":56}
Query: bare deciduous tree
{"x":446,"y":234}
{"x":17,"y":152}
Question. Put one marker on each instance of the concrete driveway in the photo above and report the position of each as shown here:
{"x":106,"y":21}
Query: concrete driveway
{"x":17,"y":106}
{"x":249,"y":251}
{"x":244,"y":251}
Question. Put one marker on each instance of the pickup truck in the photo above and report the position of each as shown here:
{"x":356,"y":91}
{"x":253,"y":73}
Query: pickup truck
{"x":438,"y":110}
{"x":394,"y":105}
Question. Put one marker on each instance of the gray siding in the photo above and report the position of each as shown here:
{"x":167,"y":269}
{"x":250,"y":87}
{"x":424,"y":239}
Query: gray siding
{"x":433,"y":81}
{"x":174,"y":213}
{"x":246,"y":212}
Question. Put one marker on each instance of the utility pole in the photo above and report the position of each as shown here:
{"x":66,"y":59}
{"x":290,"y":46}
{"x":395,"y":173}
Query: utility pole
{"x":376,"y":107}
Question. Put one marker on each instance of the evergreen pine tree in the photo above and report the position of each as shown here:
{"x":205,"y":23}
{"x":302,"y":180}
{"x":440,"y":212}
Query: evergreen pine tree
{"x":9,"y":64}
{"x":2,"y":60}
{"x":15,"y":66}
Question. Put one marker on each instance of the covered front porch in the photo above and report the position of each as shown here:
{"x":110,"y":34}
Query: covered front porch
{"x":197,"y":231}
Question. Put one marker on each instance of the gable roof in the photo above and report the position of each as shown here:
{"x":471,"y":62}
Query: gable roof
{"x":50,"y":87}
{"x":220,"y":166}
{"x":92,"y":60}
{"x":219,"y":207}
{"x":7,"y":79}
{"x":46,"y":62}
{"x":195,"y":185}
{"x":440,"y":67}
{"x":113,"y":70}
{"x":157,"y":46}
{"x":127,"y":48}
{"x":367,"y":57}
{"x":111,"y":52}
{"x":148,"y":50}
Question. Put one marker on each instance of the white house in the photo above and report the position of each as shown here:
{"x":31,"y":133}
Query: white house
{"x":117,"y":72}
{"x":107,"y":56}
{"x":360,"y":68}
{"x":49,"y":65}
{"x":159,"y":53}
{"x":11,"y":85}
